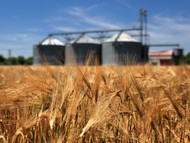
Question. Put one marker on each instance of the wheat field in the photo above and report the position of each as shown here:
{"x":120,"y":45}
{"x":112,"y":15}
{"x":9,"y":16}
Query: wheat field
{"x":55,"y":104}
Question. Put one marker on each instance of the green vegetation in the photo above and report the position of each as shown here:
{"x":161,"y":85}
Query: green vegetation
{"x":20,"y":60}
{"x":186,"y":58}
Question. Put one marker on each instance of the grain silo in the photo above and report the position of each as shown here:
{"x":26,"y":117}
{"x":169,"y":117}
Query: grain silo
{"x":177,"y":55}
{"x":80,"y":49}
{"x":49,"y":50}
{"x":178,"y":52}
{"x":121,"y":49}
{"x":145,"y":52}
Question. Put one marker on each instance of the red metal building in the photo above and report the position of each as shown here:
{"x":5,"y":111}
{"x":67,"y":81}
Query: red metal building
{"x":161,"y":58}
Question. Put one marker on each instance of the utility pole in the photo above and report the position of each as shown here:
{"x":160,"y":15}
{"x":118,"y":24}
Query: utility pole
{"x":141,"y":25}
{"x":145,"y":19}
{"x":9,"y":55}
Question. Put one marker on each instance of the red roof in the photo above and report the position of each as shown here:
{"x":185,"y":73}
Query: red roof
{"x":169,"y":53}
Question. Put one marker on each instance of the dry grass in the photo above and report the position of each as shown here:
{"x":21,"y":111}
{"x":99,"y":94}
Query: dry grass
{"x":94,"y":104}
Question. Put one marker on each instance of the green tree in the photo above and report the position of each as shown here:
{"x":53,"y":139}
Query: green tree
{"x":12,"y":61}
{"x":29,"y":61}
{"x":2,"y":60}
{"x":186,"y":58}
{"x":6,"y":62}
{"x":20,"y":60}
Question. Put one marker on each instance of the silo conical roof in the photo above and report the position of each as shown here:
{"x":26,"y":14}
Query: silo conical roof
{"x":84,"y":39}
{"x":122,"y":38}
{"x":52,"y":41}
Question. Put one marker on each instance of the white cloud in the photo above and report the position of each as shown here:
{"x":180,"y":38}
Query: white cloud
{"x":19,"y":43}
{"x":20,"y":37}
{"x":34,"y":29}
{"x":63,"y":28}
{"x":164,"y":29}
{"x":100,"y":21}
{"x":17,"y":50}
{"x":176,"y":24}
{"x":54,"y":19}
{"x":127,"y":5}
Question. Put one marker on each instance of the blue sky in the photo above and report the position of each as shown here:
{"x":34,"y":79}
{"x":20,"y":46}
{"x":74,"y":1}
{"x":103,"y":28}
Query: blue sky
{"x":26,"y":22}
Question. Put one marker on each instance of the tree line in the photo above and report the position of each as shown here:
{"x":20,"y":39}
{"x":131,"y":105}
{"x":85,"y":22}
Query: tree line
{"x":186,"y":58}
{"x":20,"y":60}
{"x":181,"y":60}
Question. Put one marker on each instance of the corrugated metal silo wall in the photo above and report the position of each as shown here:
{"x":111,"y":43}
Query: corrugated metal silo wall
{"x":128,"y":52}
{"x":145,"y":57}
{"x":108,"y":54}
{"x":81,"y":52}
{"x":52,"y":54}
{"x":36,"y":56}
{"x":178,"y":52}
{"x":121,"y":53}
{"x":69,"y":54}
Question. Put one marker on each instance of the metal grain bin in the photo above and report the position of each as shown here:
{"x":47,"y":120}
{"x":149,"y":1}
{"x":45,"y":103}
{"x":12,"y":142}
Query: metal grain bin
{"x":79,"y":50}
{"x":177,"y":55}
{"x":49,"y":50}
{"x":178,"y":52}
{"x":121,"y":49}
{"x":36,"y":55}
{"x":145,"y":57}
